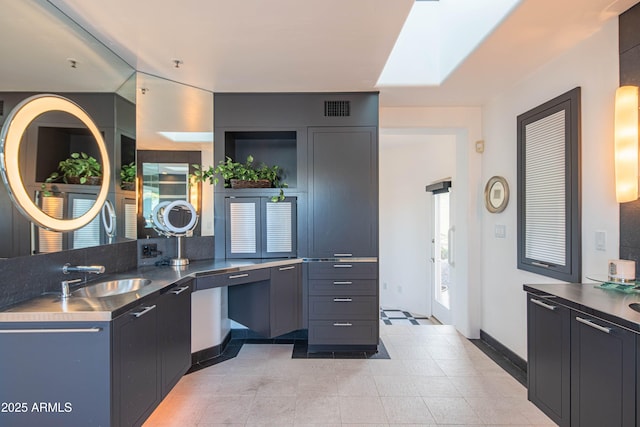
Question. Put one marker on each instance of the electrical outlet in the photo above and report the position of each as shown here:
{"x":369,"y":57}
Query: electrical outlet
{"x":399,"y":289}
{"x":384,"y":285}
{"x":149,"y":250}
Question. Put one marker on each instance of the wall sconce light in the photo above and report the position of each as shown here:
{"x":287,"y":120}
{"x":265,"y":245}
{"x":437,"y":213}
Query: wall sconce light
{"x":626,"y":143}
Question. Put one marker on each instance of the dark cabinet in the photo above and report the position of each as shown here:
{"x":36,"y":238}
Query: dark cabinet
{"x":549,"y":350}
{"x":175,"y":334}
{"x":603,"y":381}
{"x":267,"y":301}
{"x":343,"y":192}
{"x":136,"y":361}
{"x":256,"y":227}
{"x":343,"y":305}
{"x":64,"y":365}
{"x":286,"y":299}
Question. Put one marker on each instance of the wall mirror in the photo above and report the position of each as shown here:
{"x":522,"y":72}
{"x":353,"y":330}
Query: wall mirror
{"x":175,"y":131}
{"x":64,"y":59}
{"x":164,"y":177}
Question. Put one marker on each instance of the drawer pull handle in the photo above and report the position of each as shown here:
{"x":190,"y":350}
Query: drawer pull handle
{"x":144,"y":311}
{"x":342,"y":299}
{"x":48,"y":331}
{"x":238,"y":276}
{"x":343,"y":324}
{"x":542,"y":304}
{"x":342,"y":265}
{"x":178,"y":291}
{"x":291,"y":267}
{"x":343,"y":283}
{"x":593,"y":325}
{"x":342,"y":254}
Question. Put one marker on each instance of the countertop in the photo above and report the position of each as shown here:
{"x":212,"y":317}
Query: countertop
{"x":607,"y":304}
{"x":51,"y":308}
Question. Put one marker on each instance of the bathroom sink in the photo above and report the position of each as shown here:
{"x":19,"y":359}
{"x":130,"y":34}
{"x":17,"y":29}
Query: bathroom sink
{"x":111,"y":288}
{"x":635,"y":306}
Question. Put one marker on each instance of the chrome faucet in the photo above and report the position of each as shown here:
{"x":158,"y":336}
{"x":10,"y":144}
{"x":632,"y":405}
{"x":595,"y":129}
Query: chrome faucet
{"x":96,"y":269}
{"x":65,"y":287}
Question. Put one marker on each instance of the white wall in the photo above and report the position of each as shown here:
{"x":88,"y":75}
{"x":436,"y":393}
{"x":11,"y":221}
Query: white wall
{"x":465,"y":124}
{"x":409,"y":160}
{"x":593,"y":65}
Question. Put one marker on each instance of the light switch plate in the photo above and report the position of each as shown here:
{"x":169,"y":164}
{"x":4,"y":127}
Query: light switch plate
{"x":601,"y":240}
{"x":500,"y":231}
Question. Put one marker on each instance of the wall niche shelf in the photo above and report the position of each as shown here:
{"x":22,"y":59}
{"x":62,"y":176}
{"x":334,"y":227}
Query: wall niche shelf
{"x":268,"y":147}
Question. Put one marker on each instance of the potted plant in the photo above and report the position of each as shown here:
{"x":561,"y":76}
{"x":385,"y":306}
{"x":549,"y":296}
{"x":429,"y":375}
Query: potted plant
{"x":78,"y":168}
{"x":128,"y":176}
{"x":242,"y":175}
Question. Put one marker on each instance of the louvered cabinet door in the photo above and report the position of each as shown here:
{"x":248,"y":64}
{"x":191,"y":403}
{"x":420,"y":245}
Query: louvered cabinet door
{"x":256,"y":227}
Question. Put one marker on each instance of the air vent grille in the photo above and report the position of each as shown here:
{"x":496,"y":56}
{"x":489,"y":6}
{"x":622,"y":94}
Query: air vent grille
{"x":337,"y":108}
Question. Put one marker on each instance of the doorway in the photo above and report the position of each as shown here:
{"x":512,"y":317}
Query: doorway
{"x":442,"y":254}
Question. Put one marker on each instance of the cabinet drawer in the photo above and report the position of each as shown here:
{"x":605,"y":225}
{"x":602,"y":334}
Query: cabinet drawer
{"x":235,"y":278}
{"x":349,"y":332}
{"x":343,"y":307}
{"x":343,"y":287}
{"x":343,"y":269}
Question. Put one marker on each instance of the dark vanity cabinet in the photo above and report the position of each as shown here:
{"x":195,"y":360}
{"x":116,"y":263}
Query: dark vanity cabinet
{"x":581,"y":368}
{"x":603,"y":383}
{"x":151,"y":351}
{"x":549,"y":358}
{"x":343,"y":192}
{"x":268,"y":300}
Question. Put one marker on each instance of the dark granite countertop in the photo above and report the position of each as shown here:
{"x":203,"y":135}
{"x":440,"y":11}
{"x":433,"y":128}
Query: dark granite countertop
{"x":607,"y":304}
{"x":51,"y":308}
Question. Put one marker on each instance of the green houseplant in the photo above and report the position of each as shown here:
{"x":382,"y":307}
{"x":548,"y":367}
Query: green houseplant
{"x":242,"y":175}
{"x":128,"y":176}
{"x":78,"y":168}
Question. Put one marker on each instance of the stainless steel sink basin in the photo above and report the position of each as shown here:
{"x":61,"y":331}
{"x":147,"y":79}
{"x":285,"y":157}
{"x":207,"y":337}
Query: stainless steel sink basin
{"x":111,"y":288}
{"x":635,"y":306}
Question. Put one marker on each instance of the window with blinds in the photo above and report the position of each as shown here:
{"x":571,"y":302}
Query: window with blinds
{"x":549,"y":241}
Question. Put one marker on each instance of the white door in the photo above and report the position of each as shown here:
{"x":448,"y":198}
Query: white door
{"x":442,"y":258}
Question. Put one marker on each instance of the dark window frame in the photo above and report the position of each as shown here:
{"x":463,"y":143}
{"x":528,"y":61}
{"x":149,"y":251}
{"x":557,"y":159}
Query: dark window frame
{"x":571,"y":272}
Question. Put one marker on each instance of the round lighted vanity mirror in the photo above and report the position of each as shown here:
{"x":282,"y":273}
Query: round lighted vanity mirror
{"x":157,"y":216}
{"x":10,"y":139}
{"x":179,"y":217}
{"x":109,"y":218}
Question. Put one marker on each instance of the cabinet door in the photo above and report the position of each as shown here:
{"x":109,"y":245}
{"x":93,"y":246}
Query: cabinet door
{"x":64,"y":365}
{"x":603,"y":382}
{"x":343,"y":184}
{"x":174,"y":308}
{"x":549,"y":346}
{"x":136,"y":390}
{"x":286,"y":299}
{"x":279,"y":225}
{"x":243,"y":231}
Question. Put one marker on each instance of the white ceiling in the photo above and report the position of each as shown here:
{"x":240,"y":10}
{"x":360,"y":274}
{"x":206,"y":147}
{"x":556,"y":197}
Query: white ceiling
{"x":303,"y":45}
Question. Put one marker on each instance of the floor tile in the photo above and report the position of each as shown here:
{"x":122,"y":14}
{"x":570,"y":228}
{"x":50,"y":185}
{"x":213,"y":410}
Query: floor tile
{"x":356,"y":385}
{"x":407,"y":410}
{"x":227,"y":409}
{"x":363,"y":410}
{"x":315,"y":410}
{"x":452,"y":410}
{"x":266,"y":410}
{"x":396,"y":385}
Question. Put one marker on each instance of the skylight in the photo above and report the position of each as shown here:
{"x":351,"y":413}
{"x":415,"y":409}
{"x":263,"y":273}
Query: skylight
{"x":437,"y":36}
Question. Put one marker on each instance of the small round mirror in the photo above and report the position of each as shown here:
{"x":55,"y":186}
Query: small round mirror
{"x":179,"y":217}
{"x":109,"y":218}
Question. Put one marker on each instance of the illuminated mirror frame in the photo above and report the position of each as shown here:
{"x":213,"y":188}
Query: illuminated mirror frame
{"x":10,"y":138}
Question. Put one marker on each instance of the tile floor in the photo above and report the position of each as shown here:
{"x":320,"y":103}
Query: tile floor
{"x":434,"y":376}
{"x":401,"y":317}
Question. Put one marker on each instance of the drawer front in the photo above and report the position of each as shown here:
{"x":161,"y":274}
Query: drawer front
{"x":343,"y":332}
{"x":343,"y":287}
{"x":343,"y":307}
{"x":230,"y":279}
{"x":343,"y":269}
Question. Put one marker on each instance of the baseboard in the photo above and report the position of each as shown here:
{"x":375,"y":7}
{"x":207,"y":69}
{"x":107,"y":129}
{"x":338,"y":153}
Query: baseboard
{"x":503,"y":356}
{"x":211,"y":352}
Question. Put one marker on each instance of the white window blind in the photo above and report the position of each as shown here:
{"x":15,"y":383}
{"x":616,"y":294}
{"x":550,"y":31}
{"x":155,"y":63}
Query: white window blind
{"x":279,"y":229}
{"x":545,"y":197}
{"x":130,"y":226}
{"x":51,"y":241}
{"x":243,"y":228}
{"x":89,"y":235}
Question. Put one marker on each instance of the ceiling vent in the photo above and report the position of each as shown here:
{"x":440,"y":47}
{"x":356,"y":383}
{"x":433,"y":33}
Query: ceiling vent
{"x":337,"y":108}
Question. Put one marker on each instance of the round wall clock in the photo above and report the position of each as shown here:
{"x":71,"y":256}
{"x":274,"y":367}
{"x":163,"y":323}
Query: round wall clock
{"x":496,"y":194}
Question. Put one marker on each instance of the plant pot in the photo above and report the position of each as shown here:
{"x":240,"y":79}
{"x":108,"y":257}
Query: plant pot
{"x":91,"y":180}
{"x":128,"y":186}
{"x":239,"y":183}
